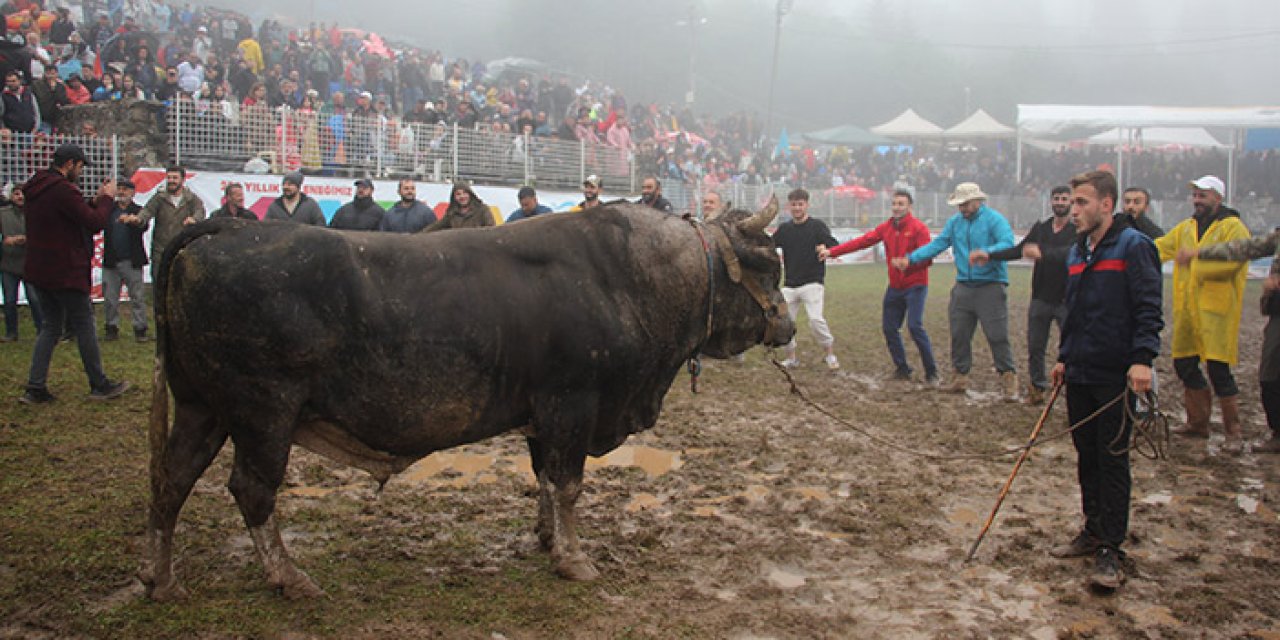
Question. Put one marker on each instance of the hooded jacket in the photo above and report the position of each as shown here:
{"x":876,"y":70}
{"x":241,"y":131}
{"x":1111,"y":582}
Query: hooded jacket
{"x":168,"y":218}
{"x":307,"y":211}
{"x":1208,"y":296}
{"x":358,"y":215}
{"x":477,"y":214}
{"x":60,"y":229}
{"x":987,"y":230}
{"x":900,"y":237}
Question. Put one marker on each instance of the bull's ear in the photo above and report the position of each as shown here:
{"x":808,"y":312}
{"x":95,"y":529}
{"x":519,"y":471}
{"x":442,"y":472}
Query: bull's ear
{"x":761,"y":219}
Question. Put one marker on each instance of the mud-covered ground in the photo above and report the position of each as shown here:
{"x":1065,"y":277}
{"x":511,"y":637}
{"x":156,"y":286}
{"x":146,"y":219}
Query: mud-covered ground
{"x":746,"y":513}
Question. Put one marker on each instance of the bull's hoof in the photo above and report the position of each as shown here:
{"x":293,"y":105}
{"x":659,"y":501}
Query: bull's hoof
{"x":546,"y":540}
{"x":301,"y":588}
{"x":577,"y":568}
{"x":171,"y":591}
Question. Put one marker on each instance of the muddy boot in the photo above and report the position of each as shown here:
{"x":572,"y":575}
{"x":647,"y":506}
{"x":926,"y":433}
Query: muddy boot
{"x":140,"y":335}
{"x":1272,"y":445}
{"x":1199,"y":402}
{"x":959,"y":383}
{"x":1009,"y":386}
{"x":112,"y":334}
{"x":1230,"y":406}
{"x":1034,"y":397}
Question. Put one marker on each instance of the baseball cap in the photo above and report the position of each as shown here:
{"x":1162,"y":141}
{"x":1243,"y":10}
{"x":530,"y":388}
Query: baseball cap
{"x":593,"y":180}
{"x":364,"y":182}
{"x":366,"y":95}
{"x":526,"y":192}
{"x":68,"y":151}
{"x":1209,"y":183}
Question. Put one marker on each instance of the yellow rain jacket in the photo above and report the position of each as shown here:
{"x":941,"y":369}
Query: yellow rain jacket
{"x":1208,"y":296}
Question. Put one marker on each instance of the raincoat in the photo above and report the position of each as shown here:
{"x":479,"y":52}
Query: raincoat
{"x":1208,"y":296}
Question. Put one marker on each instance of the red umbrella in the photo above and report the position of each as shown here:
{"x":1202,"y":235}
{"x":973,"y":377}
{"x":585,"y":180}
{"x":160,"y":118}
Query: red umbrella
{"x":852,"y":191}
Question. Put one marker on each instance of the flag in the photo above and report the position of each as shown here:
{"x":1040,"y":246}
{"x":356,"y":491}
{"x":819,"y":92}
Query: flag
{"x":784,"y":146}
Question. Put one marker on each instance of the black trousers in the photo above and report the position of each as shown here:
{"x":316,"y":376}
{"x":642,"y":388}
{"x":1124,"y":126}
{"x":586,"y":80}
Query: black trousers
{"x":1103,"y":475}
{"x":1188,"y":370}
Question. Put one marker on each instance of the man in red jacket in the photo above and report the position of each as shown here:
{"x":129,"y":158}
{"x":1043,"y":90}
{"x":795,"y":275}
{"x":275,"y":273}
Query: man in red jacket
{"x":901,"y":234}
{"x":60,"y":229}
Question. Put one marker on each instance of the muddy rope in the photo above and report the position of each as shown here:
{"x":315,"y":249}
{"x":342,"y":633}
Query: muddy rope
{"x":1149,"y":437}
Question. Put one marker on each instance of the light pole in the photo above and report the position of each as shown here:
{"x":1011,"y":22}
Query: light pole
{"x":693,"y":23}
{"x":783,"y":8}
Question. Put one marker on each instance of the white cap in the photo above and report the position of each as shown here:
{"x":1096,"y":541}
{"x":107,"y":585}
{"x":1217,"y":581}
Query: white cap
{"x":1210,"y":183}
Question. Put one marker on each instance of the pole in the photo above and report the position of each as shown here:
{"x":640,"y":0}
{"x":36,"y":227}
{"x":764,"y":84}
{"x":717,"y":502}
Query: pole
{"x":1035,"y":432}
{"x":782,"y":8}
{"x":1231,"y":167}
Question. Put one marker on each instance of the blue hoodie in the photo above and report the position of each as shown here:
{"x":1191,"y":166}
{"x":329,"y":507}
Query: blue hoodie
{"x":987,"y":231}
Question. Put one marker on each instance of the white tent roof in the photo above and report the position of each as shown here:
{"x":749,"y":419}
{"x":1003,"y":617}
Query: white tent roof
{"x":1057,"y":120}
{"x":1157,"y":137}
{"x":908,"y":124}
{"x":979,"y":125}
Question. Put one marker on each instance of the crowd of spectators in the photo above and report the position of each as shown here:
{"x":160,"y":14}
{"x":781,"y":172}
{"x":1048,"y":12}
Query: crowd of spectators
{"x":352,"y":96}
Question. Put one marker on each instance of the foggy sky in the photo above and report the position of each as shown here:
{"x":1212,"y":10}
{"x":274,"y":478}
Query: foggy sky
{"x":858,"y":61}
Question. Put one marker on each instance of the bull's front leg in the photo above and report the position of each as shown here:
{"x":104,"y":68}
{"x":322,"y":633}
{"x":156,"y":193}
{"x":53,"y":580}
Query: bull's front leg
{"x":560,"y":489}
{"x":545,"y":529}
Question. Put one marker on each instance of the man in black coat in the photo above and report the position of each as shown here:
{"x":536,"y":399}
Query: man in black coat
{"x":123,"y":257}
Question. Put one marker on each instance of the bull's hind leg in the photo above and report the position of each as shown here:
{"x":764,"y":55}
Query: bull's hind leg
{"x":259,"y":469}
{"x":546,"y":495}
{"x":559,"y":484}
{"x":192,"y":444}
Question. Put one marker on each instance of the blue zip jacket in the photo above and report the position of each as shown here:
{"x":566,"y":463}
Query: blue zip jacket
{"x":987,"y":230}
{"x":1114,"y":313}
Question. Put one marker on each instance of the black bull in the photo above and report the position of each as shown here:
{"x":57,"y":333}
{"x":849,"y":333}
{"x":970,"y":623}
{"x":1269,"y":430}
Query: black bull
{"x":376,"y":350}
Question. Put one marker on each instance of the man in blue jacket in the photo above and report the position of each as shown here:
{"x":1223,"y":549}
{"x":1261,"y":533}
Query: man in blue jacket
{"x":1112,"y":334}
{"x":979,"y":296}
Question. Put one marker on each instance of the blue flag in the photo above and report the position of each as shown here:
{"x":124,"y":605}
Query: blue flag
{"x":784,"y":146}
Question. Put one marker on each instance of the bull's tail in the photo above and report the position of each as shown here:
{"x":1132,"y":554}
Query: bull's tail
{"x":158,"y":431}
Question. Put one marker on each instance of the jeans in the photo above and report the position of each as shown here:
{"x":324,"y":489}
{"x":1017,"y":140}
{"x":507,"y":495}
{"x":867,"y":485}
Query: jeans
{"x":1040,"y":316}
{"x":1104,"y":477}
{"x":986,"y":304}
{"x":131,"y":277}
{"x":812,"y":297}
{"x":909,"y":303}
{"x":74,"y":308}
{"x":10,"y":282}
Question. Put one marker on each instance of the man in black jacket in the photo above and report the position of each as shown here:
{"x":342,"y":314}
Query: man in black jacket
{"x":362,"y":213}
{"x":1136,"y":201}
{"x":123,"y":257}
{"x":1047,"y":244}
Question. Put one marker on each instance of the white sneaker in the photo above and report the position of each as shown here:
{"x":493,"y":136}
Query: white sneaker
{"x":790,"y":363}
{"x":831,"y":361}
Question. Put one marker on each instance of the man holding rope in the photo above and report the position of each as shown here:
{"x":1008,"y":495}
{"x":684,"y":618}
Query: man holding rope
{"x":1111,"y":335}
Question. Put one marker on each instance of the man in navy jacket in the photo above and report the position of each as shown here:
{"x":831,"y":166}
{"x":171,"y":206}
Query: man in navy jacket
{"x":1111,"y":336}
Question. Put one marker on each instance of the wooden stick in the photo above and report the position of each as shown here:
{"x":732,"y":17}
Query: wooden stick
{"x":1035,"y":432}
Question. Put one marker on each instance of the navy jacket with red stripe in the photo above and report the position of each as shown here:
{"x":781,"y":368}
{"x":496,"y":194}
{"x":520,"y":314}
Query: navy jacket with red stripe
{"x":1114,"y":313}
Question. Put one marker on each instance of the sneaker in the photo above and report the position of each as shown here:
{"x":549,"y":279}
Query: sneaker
{"x":902,"y":374}
{"x":1107,"y":572}
{"x":932,"y":380}
{"x":110,"y":390}
{"x":112,"y":334}
{"x":831,"y":361}
{"x":1084,"y":544}
{"x":790,"y":363}
{"x":36,"y":396}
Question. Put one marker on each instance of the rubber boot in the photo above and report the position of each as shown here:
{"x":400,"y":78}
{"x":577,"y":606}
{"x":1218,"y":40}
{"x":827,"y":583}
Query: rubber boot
{"x":1230,"y":406}
{"x":1199,"y":402}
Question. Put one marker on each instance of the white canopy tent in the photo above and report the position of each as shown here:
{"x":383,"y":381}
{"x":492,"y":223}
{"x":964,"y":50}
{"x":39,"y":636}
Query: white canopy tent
{"x":978,"y":126}
{"x":1067,"y":121}
{"x":908,"y":124}
{"x":1193,"y":137}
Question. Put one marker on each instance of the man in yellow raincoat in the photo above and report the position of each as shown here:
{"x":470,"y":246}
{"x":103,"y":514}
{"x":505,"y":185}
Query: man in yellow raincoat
{"x":1207,"y":301}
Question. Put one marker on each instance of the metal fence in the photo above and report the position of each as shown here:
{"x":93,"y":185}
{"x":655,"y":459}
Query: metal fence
{"x":846,"y":212}
{"x":229,"y":137}
{"x":21,"y":154}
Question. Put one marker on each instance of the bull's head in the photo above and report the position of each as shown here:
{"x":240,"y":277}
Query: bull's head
{"x":749,"y":306}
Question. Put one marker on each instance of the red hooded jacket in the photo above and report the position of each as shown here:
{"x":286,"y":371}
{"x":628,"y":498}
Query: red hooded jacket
{"x":900,"y":238}
{"x":60,"y":229}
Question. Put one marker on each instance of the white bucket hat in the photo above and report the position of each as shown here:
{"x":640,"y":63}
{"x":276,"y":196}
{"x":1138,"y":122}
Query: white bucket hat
{"x":965,"y":191}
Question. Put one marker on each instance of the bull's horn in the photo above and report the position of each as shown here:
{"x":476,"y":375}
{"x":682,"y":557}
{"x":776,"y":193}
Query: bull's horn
{"x":761,"y":219}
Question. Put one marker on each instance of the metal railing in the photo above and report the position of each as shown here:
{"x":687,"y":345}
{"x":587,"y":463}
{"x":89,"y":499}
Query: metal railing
{"x":22,"y":154}
{"x":255,"y":139}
